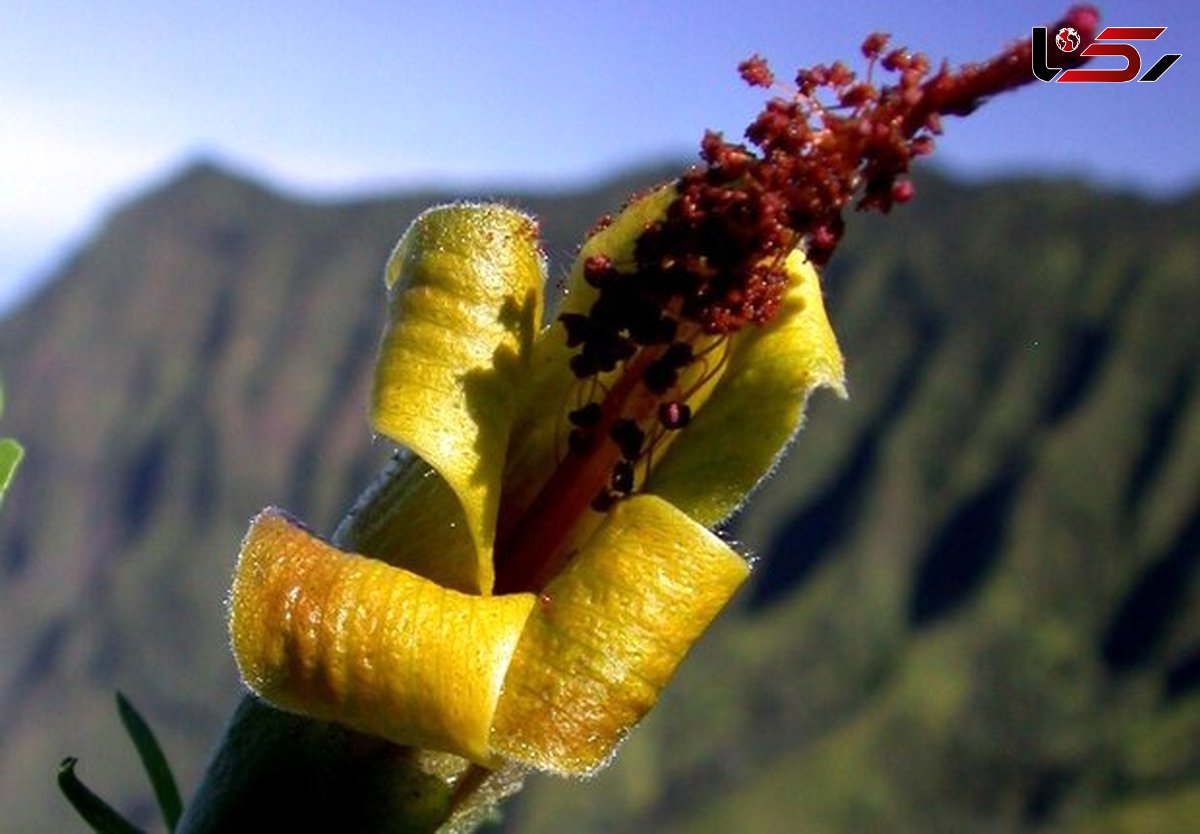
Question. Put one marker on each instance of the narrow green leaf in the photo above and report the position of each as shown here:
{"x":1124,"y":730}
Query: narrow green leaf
{"x":97,"y":813}
{"x":154,"y":761}
{"x":11,"y":453}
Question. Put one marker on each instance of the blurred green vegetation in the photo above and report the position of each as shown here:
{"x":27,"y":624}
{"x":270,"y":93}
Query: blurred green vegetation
{"x":11,"y":453}
{"x":976,"y":605}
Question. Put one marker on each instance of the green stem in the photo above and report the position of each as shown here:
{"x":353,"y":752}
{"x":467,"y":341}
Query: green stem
{"x":275,"y":771}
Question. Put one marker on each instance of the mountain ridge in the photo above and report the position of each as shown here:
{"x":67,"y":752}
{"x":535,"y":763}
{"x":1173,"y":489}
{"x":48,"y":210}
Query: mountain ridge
{"x":1023,"y":391}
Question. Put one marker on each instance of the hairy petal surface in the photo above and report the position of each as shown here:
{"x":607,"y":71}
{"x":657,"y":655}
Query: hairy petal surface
{"x":546,"y":395}
{"x":464,"y":304}
{"x":338,"y":636}
{"x":755,"y":408}
{"x":410,"y":645}
{"x":608,"y":633}
{"x":746,"y":413}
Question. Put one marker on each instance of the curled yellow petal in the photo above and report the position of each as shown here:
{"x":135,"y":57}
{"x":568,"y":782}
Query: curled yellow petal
{"x":608,"y":633}
{"x":745,"y":413}
{"x":533,"y":453}
{"x":755,"y":408}
{"x":465,"y":296}
{"x":341,"y":637}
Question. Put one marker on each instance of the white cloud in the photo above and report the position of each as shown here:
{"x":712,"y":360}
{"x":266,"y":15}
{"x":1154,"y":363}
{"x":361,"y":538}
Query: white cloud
{"x":60,"y":173}
{"x":56,"y":177}
{"x":56,"y":174}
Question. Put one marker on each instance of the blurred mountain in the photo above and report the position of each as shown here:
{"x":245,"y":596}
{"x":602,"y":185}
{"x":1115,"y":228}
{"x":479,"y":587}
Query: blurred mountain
{"x":977,"y":601}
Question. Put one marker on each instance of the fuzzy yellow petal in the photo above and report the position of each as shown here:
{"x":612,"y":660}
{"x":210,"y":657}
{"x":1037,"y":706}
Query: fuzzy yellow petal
{"x":464,"y":303}
{"x":545,"y":399}
{"x":751,"y":414}
{"x":341,"y":637}
{"x":608,"y":633}
{"x":745,"y":415}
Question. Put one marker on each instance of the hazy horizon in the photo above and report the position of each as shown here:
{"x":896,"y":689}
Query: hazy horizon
{"x":102,"y":103}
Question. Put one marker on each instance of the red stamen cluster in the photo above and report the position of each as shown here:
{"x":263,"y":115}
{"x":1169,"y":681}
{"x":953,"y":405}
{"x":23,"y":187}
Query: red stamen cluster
{"x":715,"y":262}
{"x":756,"y":72}
{"x":718,"y":255}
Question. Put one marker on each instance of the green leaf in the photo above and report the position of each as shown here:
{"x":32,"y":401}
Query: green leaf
{"x":154,"y":761}
{"x":97,"y":813}
{"x":11,"y":453}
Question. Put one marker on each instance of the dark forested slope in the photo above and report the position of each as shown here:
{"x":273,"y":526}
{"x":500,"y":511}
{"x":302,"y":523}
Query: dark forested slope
{"x":976,"y":608}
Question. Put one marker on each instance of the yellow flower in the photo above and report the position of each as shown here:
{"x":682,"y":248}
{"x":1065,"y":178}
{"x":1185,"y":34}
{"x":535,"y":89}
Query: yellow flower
{"x":539,"y":573}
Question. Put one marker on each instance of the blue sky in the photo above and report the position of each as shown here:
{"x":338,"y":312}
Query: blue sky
{"x":100,"y":99}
